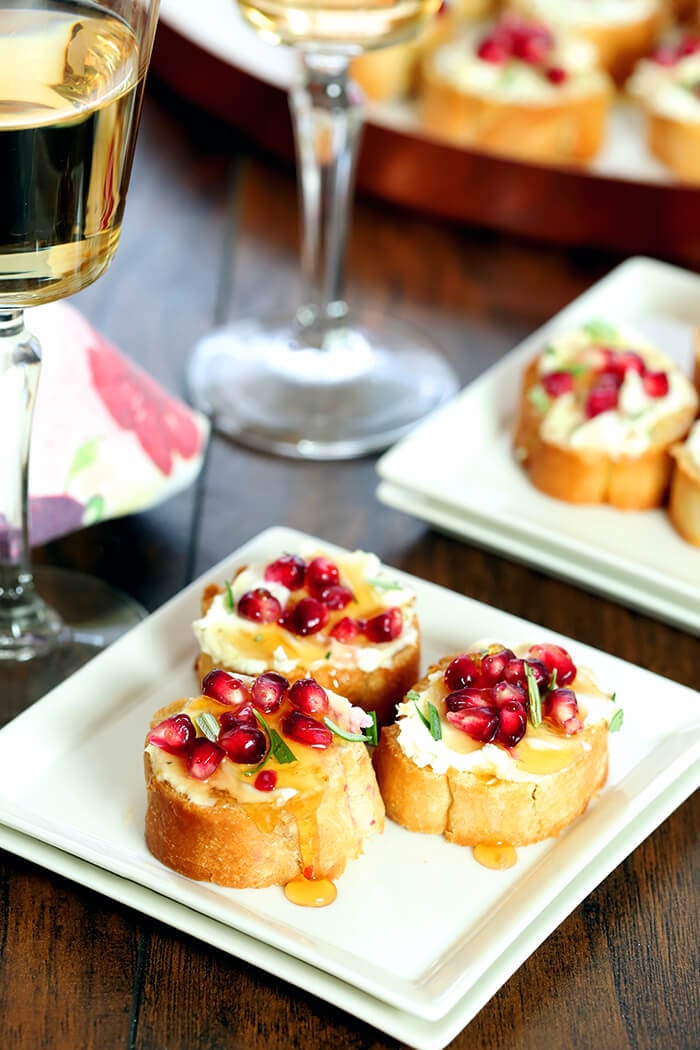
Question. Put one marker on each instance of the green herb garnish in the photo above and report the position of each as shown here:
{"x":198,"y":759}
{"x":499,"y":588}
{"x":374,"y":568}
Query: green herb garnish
{"x":370,"y":737}
{"x":381,"y":584}
{"x":258,"y":638}
{"x":208,"y":724}
{"x":431,"y":721}
{"x":553,"y":680}
{"x":533,"y":695}
{"x":616,"y":721}
{"x":278,"y":748}
{"x":328,"y":654}
{"x":600,"y":330}
{"x":538,"y":398}
{"x":229,"y":597}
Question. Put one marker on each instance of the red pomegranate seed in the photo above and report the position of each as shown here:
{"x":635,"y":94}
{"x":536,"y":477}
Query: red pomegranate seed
{"x":306,"y":730}
{"x":266,"y":780}
{"x":514,"y":673}
{"x":385,"y":626}
{"x":508,"y":692}
{"x":492,"y":50}
{"x":288,"y":570}
{"x":493,"y":664}
{"x":555,"y":658}
{"x":307,"y":617}
{"x":480,"y":723}
{"x":259,"y":605}
{"x":268,"y":691}
{"x":601,"y":398}
{"x":532,"y":48}
{"x":631,"y":361}
{"x":244,"y":744}
{"x":557,"y":383}
{"x":689,"y":46}
{"x":665,"y":55}
{"x":225,"y":688}
{"x":204,"y":758}
{"x":463,"y":671}
{"x":308,"y":696}
{"x":469,"y":697}
{"x":240,"y":716}
{"x":557,"y":75}
{"x":512,"y":723}
{"x":561,"y":709}
{"x":347,"y":630}
{"x":337,"y":596}
{"x":655,"y":384}
{"x":321,"y":573}
{"x":173,"y":734}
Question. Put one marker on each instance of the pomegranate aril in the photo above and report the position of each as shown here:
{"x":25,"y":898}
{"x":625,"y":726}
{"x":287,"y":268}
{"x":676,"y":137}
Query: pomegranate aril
{"x":531,"y":48}
{"x":336,"y":596}
{"x":307,"y":617}
{"x":321,"y":573}
{"x":655,"y":384}
{"x":480,"y":723}
{"x":463,"y":671}
{"x":266,"y":780}
{"x":515,"y":674}
{"x":240,"y":716}
{"x":385,"y":626}
{"x":493,"y":664}
{"x":602,"y":397}
{"x":259,"y":605}
{"x":244,"y":744}
{"x":173,"y":734}
{"x":557,"y":75}
{"x":508,"y":692}
{"x":347,"y":630}
{"x":306,"y":730}
{"x":204,"y":758}
{"x":225,"y":688}
{"x":665,"y":55}
{"x":690,"y":45}
{"x":493,"y":50}
{"x":289,"y":570}
{"x":512,"y":724}
{"x":268,"y":691}
{"x":308,"y":696}
{"x":631,"y":361}
{"x":555,"y":658}
{"x":459,"y":699}
{"x":557,"y":383}
{"x":561,"y":709}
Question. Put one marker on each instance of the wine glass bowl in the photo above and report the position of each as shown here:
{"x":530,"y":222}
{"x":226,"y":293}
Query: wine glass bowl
{"x":72,"y":76}
{"x":330,"y":381}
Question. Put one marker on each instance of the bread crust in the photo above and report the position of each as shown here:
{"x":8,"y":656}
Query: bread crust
{"x":246,"y":845}
{"x":684,"y":498}
{"x":592,"y":475}
{"x":676,"y":143}
{"x":568,"y":130}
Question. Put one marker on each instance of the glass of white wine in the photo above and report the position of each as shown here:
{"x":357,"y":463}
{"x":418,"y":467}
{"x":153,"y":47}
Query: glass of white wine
{"x":329,"y":382}
{"x":72,"y":76}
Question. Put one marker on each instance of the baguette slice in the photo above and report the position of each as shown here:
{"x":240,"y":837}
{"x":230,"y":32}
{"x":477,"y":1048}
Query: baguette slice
{"x":684,"y":499}
{"x":223,"y":830}
{"x":484,"y":806}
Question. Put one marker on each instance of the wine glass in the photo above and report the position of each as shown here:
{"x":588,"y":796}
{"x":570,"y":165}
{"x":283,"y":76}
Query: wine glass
{"x":329,"y":382}
{"x":72,"y":76}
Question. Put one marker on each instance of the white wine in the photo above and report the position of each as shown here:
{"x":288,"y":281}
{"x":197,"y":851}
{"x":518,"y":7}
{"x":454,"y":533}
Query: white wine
{"x":70,"y":96}
{"x":340,"y":26}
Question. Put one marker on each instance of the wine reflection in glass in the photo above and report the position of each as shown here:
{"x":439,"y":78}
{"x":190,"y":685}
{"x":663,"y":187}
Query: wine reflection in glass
{"x":72,"y":76}
{"x":330,"y":382}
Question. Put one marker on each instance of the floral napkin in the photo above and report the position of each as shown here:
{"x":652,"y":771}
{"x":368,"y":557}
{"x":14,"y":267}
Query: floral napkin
{"x":107,"y":439}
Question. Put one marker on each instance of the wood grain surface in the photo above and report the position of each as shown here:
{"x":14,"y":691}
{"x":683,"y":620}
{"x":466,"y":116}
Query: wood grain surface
{"x":210,"y":233}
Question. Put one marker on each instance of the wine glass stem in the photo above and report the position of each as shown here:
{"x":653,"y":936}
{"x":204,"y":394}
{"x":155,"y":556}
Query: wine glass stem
{"x":327,"y":111}
{"x":27,"y":626}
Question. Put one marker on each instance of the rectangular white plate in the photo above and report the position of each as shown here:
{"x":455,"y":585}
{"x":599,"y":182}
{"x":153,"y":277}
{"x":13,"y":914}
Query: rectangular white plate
{"x":427,"y":951}
{"x":457,"y":470}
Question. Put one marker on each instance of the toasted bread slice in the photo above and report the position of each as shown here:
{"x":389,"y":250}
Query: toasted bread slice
{"x":684,"y":499}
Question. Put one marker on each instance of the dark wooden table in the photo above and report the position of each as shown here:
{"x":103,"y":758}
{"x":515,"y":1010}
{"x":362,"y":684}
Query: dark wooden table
{"x":211,"y":231}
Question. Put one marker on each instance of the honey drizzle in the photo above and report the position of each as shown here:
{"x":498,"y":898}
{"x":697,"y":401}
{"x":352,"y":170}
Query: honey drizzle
{"x":498,"y":855}
{"x":310,"y":893}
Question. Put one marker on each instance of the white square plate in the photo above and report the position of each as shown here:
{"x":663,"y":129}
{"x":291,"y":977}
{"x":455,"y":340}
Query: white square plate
{"x":457,"y":470}
{"x":428,"y":956}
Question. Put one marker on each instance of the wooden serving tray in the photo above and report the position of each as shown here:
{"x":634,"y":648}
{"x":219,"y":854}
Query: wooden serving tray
{"x":624,"y":202}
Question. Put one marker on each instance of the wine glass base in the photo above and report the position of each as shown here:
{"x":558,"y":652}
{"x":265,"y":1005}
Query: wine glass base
{"x":367,"y":384}
{"x":85,"y":615}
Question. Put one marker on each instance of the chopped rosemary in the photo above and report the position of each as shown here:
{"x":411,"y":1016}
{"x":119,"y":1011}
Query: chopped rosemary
{"x":600,"y":330}
{"x":208,"y":724}
{"x":431,"y":721}
{"x":229,"y":596}
{"x":278,"y":748}
{"x":616,"y":721}
{"x":381,"y":584}
{"x":412,"y":695}
{"x":538,"y":398}
{"x":533,"y":694}
{"x":553,"y":679}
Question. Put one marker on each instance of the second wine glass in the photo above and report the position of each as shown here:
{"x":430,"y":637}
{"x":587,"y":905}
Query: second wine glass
{"x":329,"y":382}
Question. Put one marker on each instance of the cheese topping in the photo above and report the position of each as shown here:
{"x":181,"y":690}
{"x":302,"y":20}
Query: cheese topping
{"x":583,"y":13}
{"x":692,"y":445}
{"x":251,"y":648}
{"x":669,"y":90}
{"x":514,"y":80}
{"x":541,"y":747}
